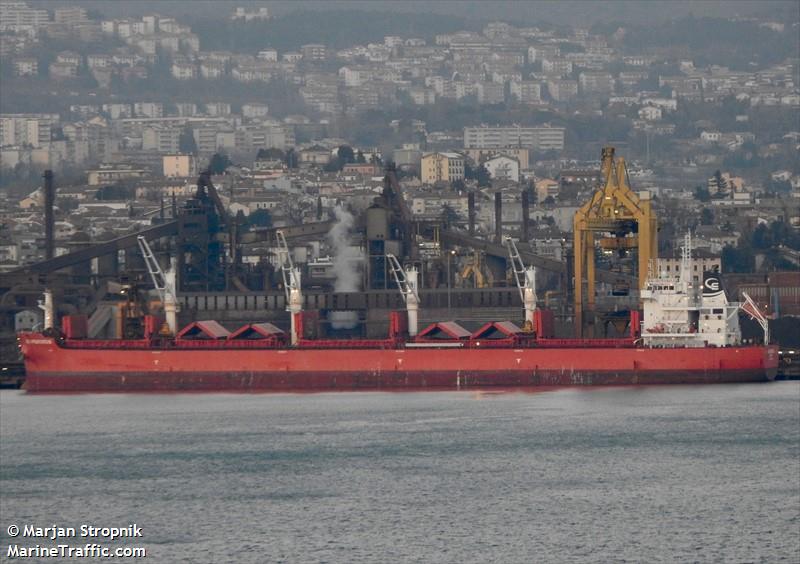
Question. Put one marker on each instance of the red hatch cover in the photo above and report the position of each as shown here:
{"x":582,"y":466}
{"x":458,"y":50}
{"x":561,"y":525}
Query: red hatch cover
{"x":257,"y":331}
{"x":497,"y":330}
{"x":444,"y":330}
{"x":204,"y":330}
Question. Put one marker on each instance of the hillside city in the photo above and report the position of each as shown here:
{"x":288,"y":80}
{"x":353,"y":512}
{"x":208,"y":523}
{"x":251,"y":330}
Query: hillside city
{"x":127,"y":112}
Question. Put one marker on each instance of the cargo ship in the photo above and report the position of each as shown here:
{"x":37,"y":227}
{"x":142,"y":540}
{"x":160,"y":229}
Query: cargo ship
{"x":687,"y":332}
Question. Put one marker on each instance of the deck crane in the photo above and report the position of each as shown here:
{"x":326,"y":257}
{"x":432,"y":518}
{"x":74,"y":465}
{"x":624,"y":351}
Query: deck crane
{"x":525,"y":278}
{"x":407,"y":284}
{"x":291,"y":283}
{"x":164,"y":283}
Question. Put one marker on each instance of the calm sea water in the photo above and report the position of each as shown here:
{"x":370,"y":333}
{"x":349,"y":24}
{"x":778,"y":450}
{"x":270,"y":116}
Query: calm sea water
{"x":651,"y":474}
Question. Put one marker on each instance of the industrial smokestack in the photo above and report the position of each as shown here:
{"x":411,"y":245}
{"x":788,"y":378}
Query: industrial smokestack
{"x":49,"y":217}
{"x":498,"y":217}
{"x":471,"y":214}
{"x":525,"y":214}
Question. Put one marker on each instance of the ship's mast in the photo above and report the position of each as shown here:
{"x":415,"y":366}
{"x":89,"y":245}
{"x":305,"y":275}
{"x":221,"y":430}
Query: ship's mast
{"x":686,"y":259}
{"x":407,"y":284}
{"x":291,"y":283}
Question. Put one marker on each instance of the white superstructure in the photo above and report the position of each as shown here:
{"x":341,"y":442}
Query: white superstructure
{"x":681,"y":312}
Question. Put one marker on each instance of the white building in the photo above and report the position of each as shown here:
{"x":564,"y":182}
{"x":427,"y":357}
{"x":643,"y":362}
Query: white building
{"x":251,"y":111}
{"x":503,"y":167}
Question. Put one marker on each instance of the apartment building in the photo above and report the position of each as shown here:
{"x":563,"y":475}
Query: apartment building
{"x":17,"y":16}
{"x":179,"y":165}
{"x":536,"y":138}
{"x":441,"y":167}
{"x":26,"y":129}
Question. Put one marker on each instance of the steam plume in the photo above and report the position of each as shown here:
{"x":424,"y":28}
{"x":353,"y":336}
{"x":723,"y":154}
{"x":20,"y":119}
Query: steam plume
{"x":345,"y":260}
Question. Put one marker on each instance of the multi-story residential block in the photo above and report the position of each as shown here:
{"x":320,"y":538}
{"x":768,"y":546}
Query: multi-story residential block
{"x":150,"y":22}
{"x":420,"y":95}
{"x":526,"y":91}
{"x":27,"y":129}
{"x":161,"y":139}
{"x":441,"y":167}
{"x":210,"y":138}
{"x":60,"y":71}
{"x":252,"y":138}
{"x":18,"y":17}
{"x":189,"y":42}
{"x":70,"y":15}
{"x":490,"y":93}
{"x":183,"y":70}
{"x":260,"y":71}
{"x":314,"y":52}
{"x":269,"y":55}
{"x":185,"y":109}
{"x":252,"y":111}
{"x":560,"y":67}
{"x":562,"y":90}
{"x":630,"y":79}
{"x":26,"y":66}
{"x":69,"y":58}
{"x":98,"y":61}
{"x":124,"y":28}
{"x":539,"y":52}
{"x":638,"y":60}
{"x":111,"y":173}
{"x":536,"y":138}
{"x":355,"y":76}
{"x":148,"y":109}
{"x":118,"y":111}
{"x":650,"y":113}
{"x":178,"y":165}
{"x":291,"y":57}
{"x":212,"y":69}
{"x":217,"y":109}
{"x":596,"y":83}
{"x":243,"y":14}
{"x":90,"y":141}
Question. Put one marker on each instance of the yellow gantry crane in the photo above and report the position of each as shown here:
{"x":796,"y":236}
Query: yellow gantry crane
{"x":623,"y":220}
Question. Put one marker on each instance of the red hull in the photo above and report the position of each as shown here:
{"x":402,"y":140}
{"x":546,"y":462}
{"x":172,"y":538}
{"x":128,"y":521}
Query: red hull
{"x":52,"y":368}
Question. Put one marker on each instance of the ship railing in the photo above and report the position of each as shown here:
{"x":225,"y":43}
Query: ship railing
{"x":347,"y":343}
{"x":124,"y":344}
{"x":585,"y":343}
{"x":228,"y":344}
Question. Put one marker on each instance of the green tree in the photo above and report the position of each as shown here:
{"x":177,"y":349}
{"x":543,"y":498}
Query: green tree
{"x":449,"y":215}
{"x":478,"y":173}
{"x":345,"y":154}
{"x":259,"y":218}
{"x":291,"y":158}
{"x":738,"y":259}
{"x":706,"y":216}
{"x":219,"y":163}
{"x":702,"y":194}
{"x":186,"y":142}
